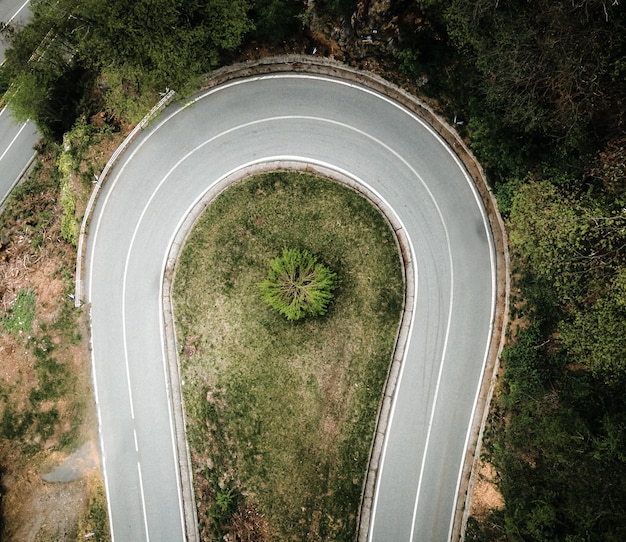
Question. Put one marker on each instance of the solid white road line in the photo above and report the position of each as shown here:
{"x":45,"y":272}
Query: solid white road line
{"x":12,"y":142}
{"x":143,"y":502}
{"x":99,"y":413}
{"x":170,"y":406}
{"x":18,"y":11}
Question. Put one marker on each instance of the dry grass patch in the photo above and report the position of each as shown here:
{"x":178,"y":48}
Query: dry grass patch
{"x":281,"y":414}
{"x":46,"y":399}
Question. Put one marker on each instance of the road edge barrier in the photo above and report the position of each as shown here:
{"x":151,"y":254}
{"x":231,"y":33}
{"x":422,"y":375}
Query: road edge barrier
{"x":84,"y":226}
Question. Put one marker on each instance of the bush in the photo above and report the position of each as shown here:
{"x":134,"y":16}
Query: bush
{"x":298,"y":285}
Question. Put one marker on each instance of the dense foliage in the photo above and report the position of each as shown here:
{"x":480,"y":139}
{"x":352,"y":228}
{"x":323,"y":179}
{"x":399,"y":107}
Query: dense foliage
{"x":297,"y":285}
{"x":538,"y":82}
{"x":76,"y":51}
{"x":541,"y":88}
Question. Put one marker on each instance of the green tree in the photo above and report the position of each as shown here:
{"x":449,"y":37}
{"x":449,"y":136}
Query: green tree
{"x":596,"y":336}
{"x":46,"y":80}
{"x":573,"y":241}
{"x":276,"y":20}
{"x":134,"y":50}
{"x":297,"y":285}
{"x":547,"y":67}
{"x":153,"y":44}
{"x":545,"y":228}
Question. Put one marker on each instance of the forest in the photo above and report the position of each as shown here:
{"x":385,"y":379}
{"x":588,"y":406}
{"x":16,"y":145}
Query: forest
{"x":539,"y":91}
{"x":541,"y":86}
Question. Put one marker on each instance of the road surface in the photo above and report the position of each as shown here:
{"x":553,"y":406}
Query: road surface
{"x":345,"y":127}
{"x":16,"y":139}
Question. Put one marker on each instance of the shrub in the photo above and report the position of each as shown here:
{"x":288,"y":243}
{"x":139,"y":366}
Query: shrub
{"x":298,"y":285}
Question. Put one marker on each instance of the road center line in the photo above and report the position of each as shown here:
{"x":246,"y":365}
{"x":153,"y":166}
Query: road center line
{"x":143,"y":502}
{"x":388,"y":149}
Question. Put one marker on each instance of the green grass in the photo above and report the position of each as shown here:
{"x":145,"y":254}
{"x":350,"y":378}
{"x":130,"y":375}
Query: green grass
{"x":96,"y":519}
{"x":278,"y":411}
{"x":19,"y":319}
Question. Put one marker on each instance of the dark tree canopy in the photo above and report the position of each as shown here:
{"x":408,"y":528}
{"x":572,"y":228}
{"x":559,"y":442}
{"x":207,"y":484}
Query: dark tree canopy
{"x":132,"y":49}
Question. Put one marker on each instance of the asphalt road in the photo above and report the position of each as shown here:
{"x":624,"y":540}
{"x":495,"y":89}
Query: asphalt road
{"x":320,"y":121}
{"x":16,"y":139}
{"x":15,"y":12}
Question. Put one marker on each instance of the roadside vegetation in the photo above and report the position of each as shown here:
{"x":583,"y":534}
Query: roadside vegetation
{"x":46,"y":400}
{"x":281,"y":413}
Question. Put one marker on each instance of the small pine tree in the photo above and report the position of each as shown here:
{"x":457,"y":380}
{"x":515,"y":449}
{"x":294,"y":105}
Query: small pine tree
{"x":297,"y":285}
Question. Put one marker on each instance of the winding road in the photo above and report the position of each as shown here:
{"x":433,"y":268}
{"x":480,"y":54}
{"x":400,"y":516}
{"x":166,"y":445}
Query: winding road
{"x":323,"y":122}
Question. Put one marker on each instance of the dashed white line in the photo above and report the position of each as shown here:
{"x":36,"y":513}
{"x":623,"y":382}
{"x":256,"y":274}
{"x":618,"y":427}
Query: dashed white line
{"x":143,"y":502}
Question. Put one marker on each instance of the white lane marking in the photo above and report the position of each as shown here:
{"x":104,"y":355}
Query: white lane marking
{"x":125,"y":341}
{"x":99,"y":412}
{"x":12,"y":141}
{"x":437,"y":387}
{"x":494,"y":278}
{"x":170,"y":406}
{"x":330,"y":80}
{"x":18,"y":11}
{"x":143,"y":502}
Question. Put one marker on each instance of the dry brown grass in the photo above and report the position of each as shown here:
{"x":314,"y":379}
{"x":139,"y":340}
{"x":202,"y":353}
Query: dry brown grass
{"x":46,"y":402}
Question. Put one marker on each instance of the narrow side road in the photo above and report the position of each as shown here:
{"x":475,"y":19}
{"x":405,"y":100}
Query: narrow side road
{"x":16,"y":139}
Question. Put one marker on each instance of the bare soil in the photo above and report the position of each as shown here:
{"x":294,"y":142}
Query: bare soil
{"x":34,"y":257}
{"x":485,"y":495}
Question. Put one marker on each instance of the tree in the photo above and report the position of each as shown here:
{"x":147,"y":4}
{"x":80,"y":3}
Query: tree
{"x":550,"y":69}
{"x":596,"y":336}
{"x":297,"y":285}
{"x":134,"y":50}
{"x":276,"y":20}
{"x":573,"y":241}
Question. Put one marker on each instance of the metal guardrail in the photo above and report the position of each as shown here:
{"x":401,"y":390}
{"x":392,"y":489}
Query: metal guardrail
{"x":78,"y":290}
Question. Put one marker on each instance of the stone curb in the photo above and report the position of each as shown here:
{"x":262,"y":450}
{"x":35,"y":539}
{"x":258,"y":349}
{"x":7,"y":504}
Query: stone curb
{"x":404,"y":251}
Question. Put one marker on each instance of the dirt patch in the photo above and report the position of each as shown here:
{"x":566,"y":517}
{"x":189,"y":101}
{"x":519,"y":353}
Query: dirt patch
{"x":485,"y":496}
{"x":46,"y":401}
{"x":54,"y":510}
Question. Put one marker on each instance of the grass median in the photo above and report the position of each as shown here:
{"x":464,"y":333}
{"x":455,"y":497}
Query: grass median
{"x":281,"y":414}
